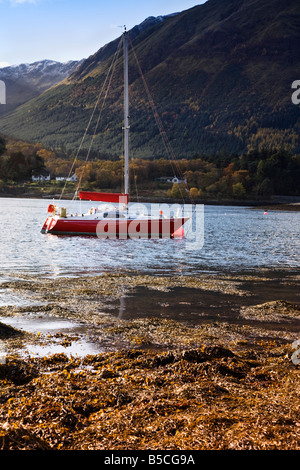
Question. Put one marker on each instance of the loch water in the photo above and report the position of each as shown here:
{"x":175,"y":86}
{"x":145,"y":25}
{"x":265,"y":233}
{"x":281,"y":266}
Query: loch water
{"x":234,"y":239}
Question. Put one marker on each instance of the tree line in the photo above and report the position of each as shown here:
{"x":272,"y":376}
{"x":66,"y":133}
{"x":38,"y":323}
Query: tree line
{"x":257,"y":173}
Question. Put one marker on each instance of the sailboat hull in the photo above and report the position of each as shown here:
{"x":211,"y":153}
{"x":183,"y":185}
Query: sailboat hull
{"x":116,"y":228}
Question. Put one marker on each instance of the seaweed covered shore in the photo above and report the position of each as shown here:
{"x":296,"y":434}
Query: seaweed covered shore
{"x":189,"y":363}
{"x":204,"y":398}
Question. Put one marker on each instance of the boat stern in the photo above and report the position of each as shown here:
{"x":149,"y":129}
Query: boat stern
{"x":49,"y":224}
{"x":45,"y":226}
{"x":50,"y":221}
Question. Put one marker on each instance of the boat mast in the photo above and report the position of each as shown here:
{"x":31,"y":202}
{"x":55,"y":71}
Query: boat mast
{"x":126,"y":112}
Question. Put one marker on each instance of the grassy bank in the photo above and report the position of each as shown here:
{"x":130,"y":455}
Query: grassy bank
{"x":53,"y":191}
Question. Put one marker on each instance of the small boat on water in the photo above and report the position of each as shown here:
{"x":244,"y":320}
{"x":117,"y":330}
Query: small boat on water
{"x":113,"y":219}
{"x":108,"y":221}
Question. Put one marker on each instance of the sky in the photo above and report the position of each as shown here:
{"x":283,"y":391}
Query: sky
{"x":62,"y":30}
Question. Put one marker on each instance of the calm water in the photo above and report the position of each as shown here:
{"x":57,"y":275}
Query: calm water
{"x":235,"y":238}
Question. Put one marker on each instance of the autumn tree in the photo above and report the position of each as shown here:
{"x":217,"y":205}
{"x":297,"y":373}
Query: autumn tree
{"x":238,"y":190}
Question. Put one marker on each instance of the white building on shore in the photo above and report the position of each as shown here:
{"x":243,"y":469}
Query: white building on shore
{"x":72,"y":178}
{"x":41,"y":178}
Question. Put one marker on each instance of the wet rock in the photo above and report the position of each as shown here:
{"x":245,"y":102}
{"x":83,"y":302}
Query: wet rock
{"x":164,"y":359}
{"x":18,"y":371}
{"x":7,"y":331}
{"x":274,"y":311}
{"x":20,"y":439}
{"x":218,"y":352}
{"x":108,"y":374}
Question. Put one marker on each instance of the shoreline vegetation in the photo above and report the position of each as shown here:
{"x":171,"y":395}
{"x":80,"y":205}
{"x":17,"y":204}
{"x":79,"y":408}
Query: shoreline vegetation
{"x":34,"y":191}
{"x":277,"y":204}
{"x":217,"y":378}
{"x":260,"y":176}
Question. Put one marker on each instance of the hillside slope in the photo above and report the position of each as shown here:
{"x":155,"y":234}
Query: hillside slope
{"x":220,"y":75}
{"x":26,"y":81}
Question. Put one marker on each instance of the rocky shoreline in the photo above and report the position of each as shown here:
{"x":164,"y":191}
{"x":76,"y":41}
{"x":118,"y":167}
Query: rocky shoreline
{"x":181,"y":362}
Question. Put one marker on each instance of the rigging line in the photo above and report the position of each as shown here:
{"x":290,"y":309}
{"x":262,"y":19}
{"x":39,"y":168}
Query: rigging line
{"x":159,"y":123}
{"x":108,"y":78}
{"x":110,"y":74}
{"x":122,"y":166}
{"x":90,"y":121}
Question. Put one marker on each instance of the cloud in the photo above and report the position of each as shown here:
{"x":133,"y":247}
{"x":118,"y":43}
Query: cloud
{"x":4,"y":64}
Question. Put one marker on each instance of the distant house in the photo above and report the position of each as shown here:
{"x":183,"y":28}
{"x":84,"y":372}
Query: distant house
{"x":171,"y":179}
{"x":65,"y":178}
{"x":41,"y":178}
{"x":178,"y":180}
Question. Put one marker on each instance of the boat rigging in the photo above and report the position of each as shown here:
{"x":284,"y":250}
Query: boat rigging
{"x":112,"y":221}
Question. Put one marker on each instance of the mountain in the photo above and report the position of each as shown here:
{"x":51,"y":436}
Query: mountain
{"x":24,"y":82}
{"x":220,"y":74}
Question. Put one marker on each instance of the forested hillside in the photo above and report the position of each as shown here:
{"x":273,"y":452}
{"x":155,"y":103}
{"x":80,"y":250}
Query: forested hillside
{"x":219,"y":73}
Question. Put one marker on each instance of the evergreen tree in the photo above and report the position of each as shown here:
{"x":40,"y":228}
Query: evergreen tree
{"x":2,"y":146}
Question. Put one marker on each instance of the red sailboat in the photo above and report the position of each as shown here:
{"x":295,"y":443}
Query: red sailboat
{"x":113,"y":218}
